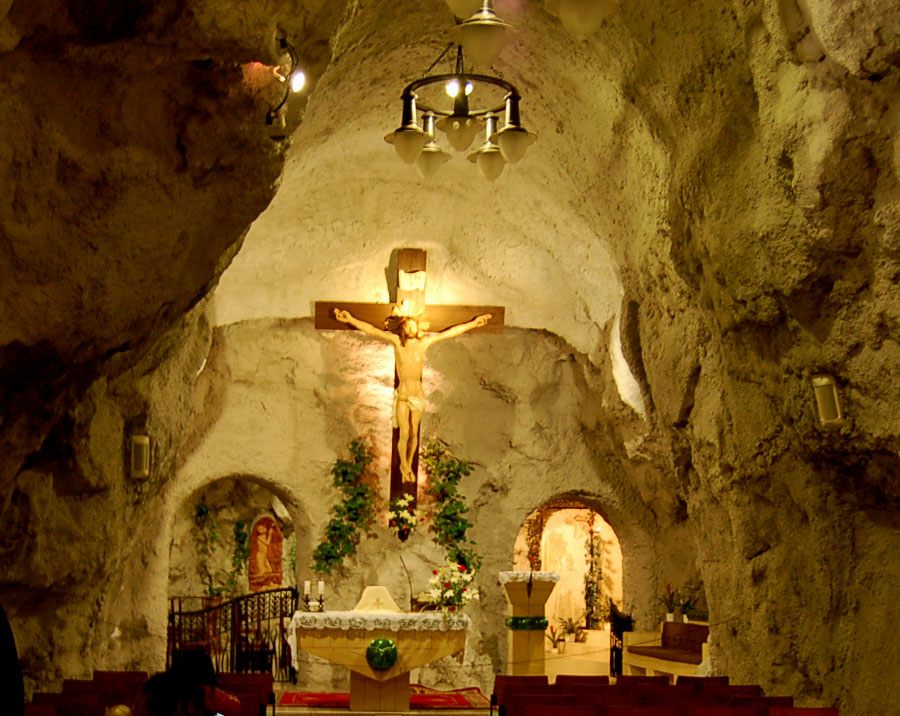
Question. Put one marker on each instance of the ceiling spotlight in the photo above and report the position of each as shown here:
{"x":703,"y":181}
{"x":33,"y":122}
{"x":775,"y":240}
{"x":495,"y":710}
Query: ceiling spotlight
{"x":464,"y":8}
{"x":483,"y":35}
{"x":488,"y":156}
{"x":432,"y":157}
{"x":513,"y":139}
{"x":408,"y":139}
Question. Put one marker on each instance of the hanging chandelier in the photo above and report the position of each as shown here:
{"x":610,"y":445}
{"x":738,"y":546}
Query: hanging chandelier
{"x":462,"y":103}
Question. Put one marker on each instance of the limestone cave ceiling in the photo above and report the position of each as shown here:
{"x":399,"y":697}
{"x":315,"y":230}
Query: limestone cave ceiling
{"x":725,"y":159}
{"x":539,"y":240}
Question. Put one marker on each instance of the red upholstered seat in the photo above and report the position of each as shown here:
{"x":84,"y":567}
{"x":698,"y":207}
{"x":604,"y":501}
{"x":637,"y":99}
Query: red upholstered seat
{"x":504,"y":681}
{"x":642,"y":711}
{"x":641,"y":679}
{"x":586,"y":680}
{"x":559,"y":710}
{"x":799,"y":711}
{"x":701,"y":680}
{"x":39,"y":710}
{"x":721,"y":710}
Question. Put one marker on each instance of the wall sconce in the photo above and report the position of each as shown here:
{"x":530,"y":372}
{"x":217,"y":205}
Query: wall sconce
{"x":294,"y":80}
{"x":139,"y":457}
{"x":827,"y":401}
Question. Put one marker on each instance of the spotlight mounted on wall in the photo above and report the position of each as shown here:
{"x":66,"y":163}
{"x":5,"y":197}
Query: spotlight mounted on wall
{"x":294,"y":80}
{"x":139,"y":456}
{"x":828,"y":403}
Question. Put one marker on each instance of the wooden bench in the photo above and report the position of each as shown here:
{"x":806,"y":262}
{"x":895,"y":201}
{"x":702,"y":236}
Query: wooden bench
{"x":676,"y":650}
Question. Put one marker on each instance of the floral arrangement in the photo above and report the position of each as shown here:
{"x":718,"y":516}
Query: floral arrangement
{"x":403,"y":517}
{"x":669,"y":597}
{"x":450,"y":587}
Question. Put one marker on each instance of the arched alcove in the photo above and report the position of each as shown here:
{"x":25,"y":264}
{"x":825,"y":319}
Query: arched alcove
{"x":568,"y":536}
{"x":231,"y":537}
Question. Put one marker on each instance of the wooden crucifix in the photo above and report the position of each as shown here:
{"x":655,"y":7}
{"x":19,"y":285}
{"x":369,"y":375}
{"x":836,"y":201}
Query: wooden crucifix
{"x":410,"y":327}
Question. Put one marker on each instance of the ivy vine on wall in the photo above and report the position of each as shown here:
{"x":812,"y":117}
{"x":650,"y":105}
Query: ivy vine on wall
{"x":208,"y":528}
{"x":449,"y":522}
{"x":353,"y":515}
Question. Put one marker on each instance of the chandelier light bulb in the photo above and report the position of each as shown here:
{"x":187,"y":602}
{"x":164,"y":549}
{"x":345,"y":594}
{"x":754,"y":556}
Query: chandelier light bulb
{"x":464,"y":8}
{"x":408,"y":139}
{"x":483,"y":35}
{"x":298,"y":81}
{"x":452,"y":88}
{"x":432,"y":157}
{"x":488,"y":157}
{"x":582,"y":17}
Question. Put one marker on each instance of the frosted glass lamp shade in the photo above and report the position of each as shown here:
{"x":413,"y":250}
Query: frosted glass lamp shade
{"x":430,"y":159}
{"x":464,"y":8}
{"x":408,"y":139}
{"x":408,"y":142}
{"x":513,"y":142}
{"x":491,"y":163}
{"x":483,"y":36}
{"x":582,"y":17}
{"x":460,"y":131}
{"x":488,"y":156}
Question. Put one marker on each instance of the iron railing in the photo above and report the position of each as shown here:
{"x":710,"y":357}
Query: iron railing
{"x":244,"y":634}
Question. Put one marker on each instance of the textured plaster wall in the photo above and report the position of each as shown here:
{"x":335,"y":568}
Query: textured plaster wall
{"x":295,"y":398}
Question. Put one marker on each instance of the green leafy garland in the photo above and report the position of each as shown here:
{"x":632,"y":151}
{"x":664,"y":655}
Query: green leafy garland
{"x":449,"y":523}
{"x":351,"y":516}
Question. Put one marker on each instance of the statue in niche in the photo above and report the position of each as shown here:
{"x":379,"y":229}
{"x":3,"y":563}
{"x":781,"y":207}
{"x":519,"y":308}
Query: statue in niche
{"x":265,"y":566}
{"x":406,"y":333}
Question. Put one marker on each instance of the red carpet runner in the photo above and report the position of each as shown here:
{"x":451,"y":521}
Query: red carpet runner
{"x":420,"y":697}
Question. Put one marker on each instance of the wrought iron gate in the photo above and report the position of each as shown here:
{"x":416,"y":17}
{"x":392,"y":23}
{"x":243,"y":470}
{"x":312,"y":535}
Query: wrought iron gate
{"x":247,"y":633}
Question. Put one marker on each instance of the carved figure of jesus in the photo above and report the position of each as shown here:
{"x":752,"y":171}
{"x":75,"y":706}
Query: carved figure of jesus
{"x":405,"y":334}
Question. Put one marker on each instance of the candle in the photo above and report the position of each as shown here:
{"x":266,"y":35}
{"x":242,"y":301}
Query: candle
{"x":306,"y":587}
{"x":321,"y":587}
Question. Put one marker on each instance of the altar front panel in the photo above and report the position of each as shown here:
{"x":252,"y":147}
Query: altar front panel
{"x":348,"y":648}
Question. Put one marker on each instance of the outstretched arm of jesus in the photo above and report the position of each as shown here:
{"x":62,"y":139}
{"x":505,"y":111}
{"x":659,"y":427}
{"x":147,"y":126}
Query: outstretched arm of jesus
{"x":455,"y":331}
{"x":367,"y":328}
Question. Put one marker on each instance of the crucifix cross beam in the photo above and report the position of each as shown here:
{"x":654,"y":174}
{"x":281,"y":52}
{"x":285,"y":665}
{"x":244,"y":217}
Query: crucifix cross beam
{"x":411,"y":327}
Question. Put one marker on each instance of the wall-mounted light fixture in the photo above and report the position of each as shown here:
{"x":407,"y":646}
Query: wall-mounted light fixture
{"x":139,"y":456}
{"x":828,"y":403}
{"x":294,"y":80}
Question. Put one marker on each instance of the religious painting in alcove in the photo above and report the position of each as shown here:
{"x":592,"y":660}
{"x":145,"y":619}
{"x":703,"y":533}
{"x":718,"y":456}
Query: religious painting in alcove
{"x":265,"y":565}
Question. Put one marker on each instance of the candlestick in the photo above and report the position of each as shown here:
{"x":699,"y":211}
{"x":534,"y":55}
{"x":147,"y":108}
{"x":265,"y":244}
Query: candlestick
{"x":321,"y":587}
{"x":306,"y":587}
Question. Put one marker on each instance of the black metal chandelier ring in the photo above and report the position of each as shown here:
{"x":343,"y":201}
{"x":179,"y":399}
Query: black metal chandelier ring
{"x":462,"y":78}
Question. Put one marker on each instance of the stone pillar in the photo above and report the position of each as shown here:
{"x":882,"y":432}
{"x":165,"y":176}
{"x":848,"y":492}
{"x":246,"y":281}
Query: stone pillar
{"x":527,"y":593}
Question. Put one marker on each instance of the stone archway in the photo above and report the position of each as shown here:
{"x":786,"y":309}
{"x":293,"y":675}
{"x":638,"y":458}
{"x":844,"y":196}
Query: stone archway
{"x":230,"y":537}
{"x":568,"y":536}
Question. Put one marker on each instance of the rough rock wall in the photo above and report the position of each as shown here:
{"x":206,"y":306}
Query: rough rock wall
{"x":522,"y":405}
{"x":778,"y":261}
{"x":132,"y":162}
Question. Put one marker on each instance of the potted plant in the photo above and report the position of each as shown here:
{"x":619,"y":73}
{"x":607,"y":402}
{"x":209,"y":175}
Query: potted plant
{"x":569,"y":628}
{"x":669,"y":599}
{"x":557,"y":643}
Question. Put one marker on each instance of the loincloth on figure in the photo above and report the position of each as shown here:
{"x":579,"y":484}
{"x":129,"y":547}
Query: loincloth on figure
{"x":414,"y":402}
